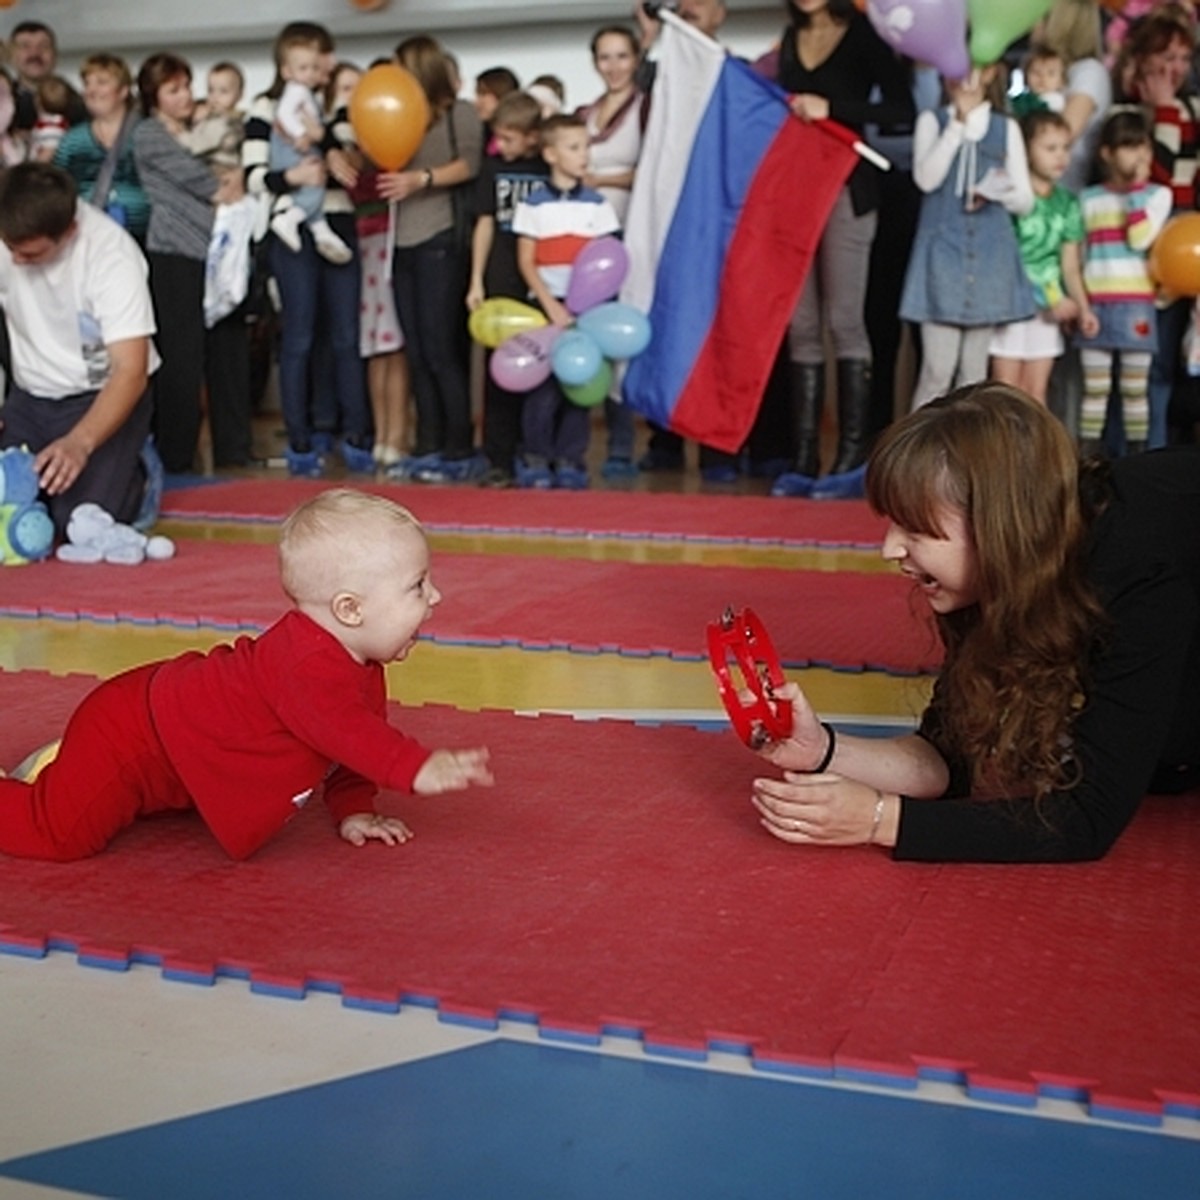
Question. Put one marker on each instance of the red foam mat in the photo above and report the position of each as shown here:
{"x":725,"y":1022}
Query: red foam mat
{"x":617,"y":875}
{"x":838,"y":618}
{"x":617,"y":514}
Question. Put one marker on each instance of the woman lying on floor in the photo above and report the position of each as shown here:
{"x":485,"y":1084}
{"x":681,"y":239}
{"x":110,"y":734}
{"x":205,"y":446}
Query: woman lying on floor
{"x":1068,"y":600}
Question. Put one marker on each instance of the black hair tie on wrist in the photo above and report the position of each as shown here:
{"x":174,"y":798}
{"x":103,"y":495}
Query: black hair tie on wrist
{"x":823,"y":765}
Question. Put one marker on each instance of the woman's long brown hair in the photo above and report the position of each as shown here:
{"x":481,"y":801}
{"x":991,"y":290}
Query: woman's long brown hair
{"x":1014,"y":674}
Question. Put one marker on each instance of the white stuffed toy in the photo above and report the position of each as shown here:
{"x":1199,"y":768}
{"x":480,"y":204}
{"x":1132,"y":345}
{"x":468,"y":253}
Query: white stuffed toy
{"x":93,"y":536}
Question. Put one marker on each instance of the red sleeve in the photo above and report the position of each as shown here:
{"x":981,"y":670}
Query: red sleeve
{"x":339,"y":708}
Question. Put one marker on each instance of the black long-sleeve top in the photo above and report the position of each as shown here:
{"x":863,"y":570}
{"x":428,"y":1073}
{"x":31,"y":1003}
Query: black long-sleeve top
{"x":1140,"y":727}
{"x":865,"y":84}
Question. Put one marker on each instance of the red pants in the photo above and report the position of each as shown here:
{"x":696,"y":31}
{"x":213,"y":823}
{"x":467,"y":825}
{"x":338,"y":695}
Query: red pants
{"x":110,"y":770}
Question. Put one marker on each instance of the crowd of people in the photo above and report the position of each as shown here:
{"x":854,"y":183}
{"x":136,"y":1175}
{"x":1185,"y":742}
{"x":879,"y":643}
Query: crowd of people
{"x":1011,"y":238}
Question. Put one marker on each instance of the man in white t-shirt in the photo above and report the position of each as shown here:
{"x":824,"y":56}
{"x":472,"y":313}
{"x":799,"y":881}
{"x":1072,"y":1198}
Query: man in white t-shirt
{"x":73,"y":286}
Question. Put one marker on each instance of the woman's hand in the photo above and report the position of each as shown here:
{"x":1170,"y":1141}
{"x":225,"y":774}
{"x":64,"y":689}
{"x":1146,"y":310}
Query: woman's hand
{"x":342,"y":166}
{"x":806,"y":746}
{"x":826,"y":810}
{"x":399,"y":185}
{"x":809,"y":107}
{"x":309,"y":172}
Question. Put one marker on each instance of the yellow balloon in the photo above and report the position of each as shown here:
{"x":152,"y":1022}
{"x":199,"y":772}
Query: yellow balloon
{"x":389,"y":114}
{"x":498,"y":319}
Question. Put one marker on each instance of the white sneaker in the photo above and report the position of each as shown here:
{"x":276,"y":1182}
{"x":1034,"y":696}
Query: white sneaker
{"x":286,"y":227}
{"x":331,"y":247}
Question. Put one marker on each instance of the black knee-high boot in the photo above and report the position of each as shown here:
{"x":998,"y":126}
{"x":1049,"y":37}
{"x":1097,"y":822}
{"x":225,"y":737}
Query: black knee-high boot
{"x":854,"y":414}
{"x":808,"y":399}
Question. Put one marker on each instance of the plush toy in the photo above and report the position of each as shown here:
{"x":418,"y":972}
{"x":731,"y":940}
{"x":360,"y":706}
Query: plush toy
{"x":93,"y":536}
{"x":26,"y":531}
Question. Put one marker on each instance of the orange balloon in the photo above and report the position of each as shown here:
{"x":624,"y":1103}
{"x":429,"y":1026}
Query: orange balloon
{"x":1175,"y":256}
{"x":389,"y":114}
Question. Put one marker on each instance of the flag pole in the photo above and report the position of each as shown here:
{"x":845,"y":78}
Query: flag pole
{"x":827,"y":126}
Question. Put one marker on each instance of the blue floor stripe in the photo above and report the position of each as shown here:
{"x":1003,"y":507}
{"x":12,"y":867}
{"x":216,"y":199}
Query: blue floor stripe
{"x":517,"y":1121}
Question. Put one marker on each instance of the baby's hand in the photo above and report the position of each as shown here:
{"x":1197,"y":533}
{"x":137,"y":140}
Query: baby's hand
{"x":360,"y":828}
{"x":453,"y":770}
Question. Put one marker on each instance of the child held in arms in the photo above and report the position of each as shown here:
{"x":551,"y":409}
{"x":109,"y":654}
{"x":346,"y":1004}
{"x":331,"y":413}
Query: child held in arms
{"x":247,"y":732}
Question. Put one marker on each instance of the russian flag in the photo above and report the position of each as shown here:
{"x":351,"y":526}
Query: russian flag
{"x":731,"y":195}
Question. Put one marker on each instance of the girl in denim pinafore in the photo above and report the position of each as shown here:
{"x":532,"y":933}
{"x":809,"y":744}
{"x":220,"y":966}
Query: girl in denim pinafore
{"x":965,"y":275}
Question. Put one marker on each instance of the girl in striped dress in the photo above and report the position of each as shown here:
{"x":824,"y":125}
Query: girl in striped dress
{"x":1121,"y":218}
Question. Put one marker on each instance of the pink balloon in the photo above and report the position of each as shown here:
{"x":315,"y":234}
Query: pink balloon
{"x":522,"y":361}
{"x":597,"y":273}
{"x":929,"y":31}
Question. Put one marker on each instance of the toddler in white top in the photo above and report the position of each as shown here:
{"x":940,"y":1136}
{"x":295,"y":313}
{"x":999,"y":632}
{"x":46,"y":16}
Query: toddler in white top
{"x":297,"y":130}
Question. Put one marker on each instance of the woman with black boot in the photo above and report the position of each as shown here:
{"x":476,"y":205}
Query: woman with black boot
{"x":833,"y":63}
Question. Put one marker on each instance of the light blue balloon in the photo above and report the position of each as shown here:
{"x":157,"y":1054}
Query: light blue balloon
{"x":620,"y":330}
{"x":575,"y":358}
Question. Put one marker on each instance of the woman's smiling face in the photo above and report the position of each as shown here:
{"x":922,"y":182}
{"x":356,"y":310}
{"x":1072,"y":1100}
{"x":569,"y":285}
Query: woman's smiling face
{"x":945,"y":568}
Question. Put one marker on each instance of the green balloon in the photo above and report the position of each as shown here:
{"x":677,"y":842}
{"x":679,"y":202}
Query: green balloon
{"x":588,"y":395}
{"x":996,"y":24}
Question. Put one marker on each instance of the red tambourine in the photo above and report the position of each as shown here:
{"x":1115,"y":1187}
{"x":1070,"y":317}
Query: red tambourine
{"x":758,"y":717}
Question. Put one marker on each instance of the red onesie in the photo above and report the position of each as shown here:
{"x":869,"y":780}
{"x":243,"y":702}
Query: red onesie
{"x":244,"y":733}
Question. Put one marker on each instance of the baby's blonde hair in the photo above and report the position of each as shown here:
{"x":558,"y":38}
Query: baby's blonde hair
{"x":336,"y":540}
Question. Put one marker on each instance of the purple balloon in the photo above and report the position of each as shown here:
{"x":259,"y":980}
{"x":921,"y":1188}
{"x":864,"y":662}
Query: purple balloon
{"x":522,"y":361}
{"x":930,"y":31}
{"x":597,"y":273}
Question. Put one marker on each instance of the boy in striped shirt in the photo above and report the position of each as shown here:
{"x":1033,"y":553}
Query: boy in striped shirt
{"x":552,"y":225}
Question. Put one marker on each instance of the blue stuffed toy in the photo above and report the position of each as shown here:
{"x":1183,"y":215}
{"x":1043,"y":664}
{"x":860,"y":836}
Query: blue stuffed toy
{"x":26,"y":531}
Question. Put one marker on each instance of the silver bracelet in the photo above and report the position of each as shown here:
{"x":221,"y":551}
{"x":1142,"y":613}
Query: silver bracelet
{"x":877,"y":819}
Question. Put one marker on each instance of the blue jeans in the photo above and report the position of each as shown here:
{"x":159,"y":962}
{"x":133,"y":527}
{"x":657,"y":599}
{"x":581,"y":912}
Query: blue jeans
{"x":309,"y":285}
{"x":429,"y":284}
{"x":553,"y":428}
{"x":1170,"y":324}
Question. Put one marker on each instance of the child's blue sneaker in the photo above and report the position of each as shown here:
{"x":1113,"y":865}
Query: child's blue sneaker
{"x":357,"y":460}
{"x":304,"y":464}
{"x":570,"y":477}
{"x":534,"y":473}
{"x":152,"y":494}
{"x":792,"y":483}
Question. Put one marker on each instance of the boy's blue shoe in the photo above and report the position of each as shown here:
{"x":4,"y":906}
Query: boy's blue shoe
{"x":570,"y":478}
{"x":849,"y":485}
{"x":534,"y":473}
{"x":451,"y":470}
{"x":357,"y":460}
{"x":152,"y":494}
{"x":619,"y":468}
{"x":792,"y":483}
{"x":304,"y":464}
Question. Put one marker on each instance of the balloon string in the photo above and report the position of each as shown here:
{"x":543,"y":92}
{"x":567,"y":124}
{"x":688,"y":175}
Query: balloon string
{"x":391,"y":240}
